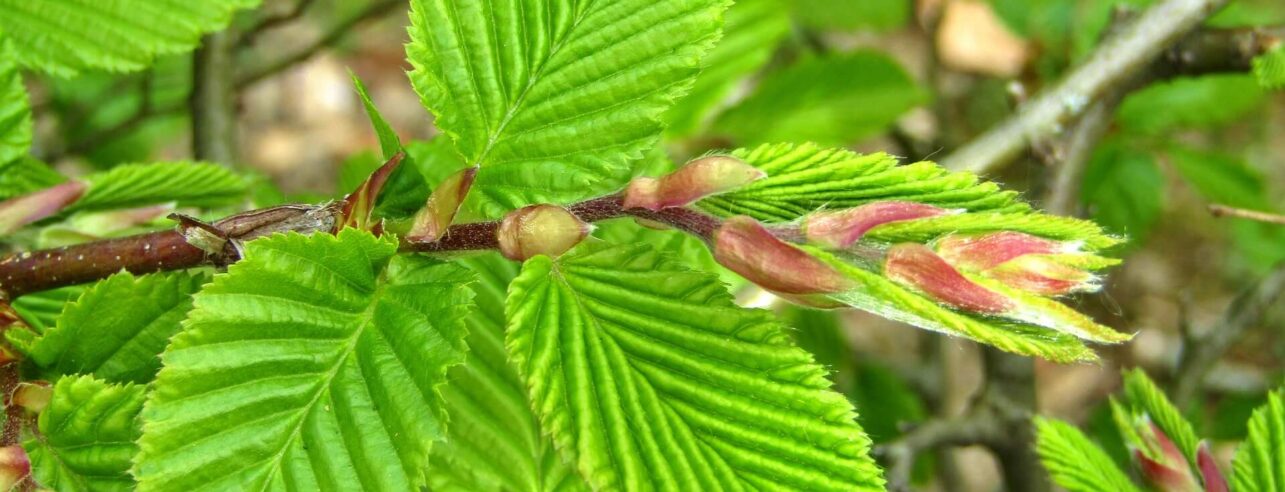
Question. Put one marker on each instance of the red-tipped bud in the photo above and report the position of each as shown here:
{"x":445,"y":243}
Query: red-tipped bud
{"x":1163,"y":466}
{"x":540,"y":230}
{"x":359,"y":204}
{"x":982,"y":252}
{"x":33,"y":396}
{"x":1209,"y":473}
{"x":695,"y":180}
{"x":746,"y":247}
{"x":916,"y":266}
{"x":1043,"y":275}
{"x":438,"y":214}
{"x":19,"y":211}
{"x":14,"y":466}
{"x":840,"y":228}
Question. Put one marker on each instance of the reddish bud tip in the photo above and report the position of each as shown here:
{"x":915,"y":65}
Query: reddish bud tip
{"x":749,"y":249}
{"x":437,"y":215}
{"x":1165,"y":477}
{"x":916,"y":266}
{"x":33,"y":396}
{"x":1209,"y":473}
{"x":981,"y":252}
{"x":695,"y":180}
{"x":14,"y":466}
{"x":19,"y":211}
{"x":540,"y":230}
{"x":1043,"y":275}
{"x":840,"y":228}
{"x":359,"y":204}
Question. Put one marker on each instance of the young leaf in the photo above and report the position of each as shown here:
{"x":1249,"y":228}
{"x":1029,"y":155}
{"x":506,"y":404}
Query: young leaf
{"x":493,"y":441}
{"x":647,"y":375}
{"x":1269,"y":69}
{"x":69,"y":36}
{"x":1145,"y":397}
{"x":87,"y":434}
{"x":41,"y":309}
{"x":117,"y":329}
{"x":1076,"y":463}
{"x":312,"y":363}
{"x":816,"y":99}
{"x":25,"y":175}
{"x":1193,"y":102}
{"x":186,"y":183}
{"x":752,"y":31}
{"x":15,"y":113}
{"x":1123,"y":189}
{"x":1259,"y":465}
{"x":551,"y":97}
{"x":406,"y":189}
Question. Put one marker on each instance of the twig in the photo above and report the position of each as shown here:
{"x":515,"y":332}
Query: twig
{"x":1201,"y":351}
{"x":272,"y":21}
{"x":1010,"y":391}
{"x":337,"y":32}
{"x":1064,"y":189}
{"x":977,"y":427}
{"x":1219,"y":210}
{"x":1116,"y":60}
{"x":213,"y":100}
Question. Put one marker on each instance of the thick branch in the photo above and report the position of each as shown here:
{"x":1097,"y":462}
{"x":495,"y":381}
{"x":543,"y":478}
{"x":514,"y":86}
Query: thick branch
{"x":213,"y":99}
{"x":1118,"y":59}
{"x":336,"y":33}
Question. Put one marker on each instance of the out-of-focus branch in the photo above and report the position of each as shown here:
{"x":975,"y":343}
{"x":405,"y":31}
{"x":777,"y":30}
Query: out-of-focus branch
{"x":1200,"y":351}
{"x":1219,"y":210}
{"x":1118,"y":59}
{"x":1064,"y":187}
{"x":269,"y":22}
{"x":979,"y":426}
{"x":213,"y":99}
{"x":337,"y":32}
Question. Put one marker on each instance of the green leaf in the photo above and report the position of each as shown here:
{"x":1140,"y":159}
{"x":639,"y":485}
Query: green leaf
{"x":87,"y":433}
{"x":832,"y":100}
{"x":389,"y":142}
{"x":15,"y":113}
{"x":1145,"y":397}
{"x":1220,"y":177}
{"x":25,"y":175}
{"x":1269,"y":69}
{"x":41,"y":309}
{"x":550,"y":97}
{"x":312,"y":363}
{"x":494,"y":441}
{"x":69,"y":36}
{"x":1194,"y":102}
{"x":1076,"y":463}
{"x":1123,"y":189}
{"x":846,"y":14}
{"x":405,"y":192}
{"x":194,"y":184}
{"x":647,"y":375}
{"x":118,"y":328}
{"x":753,"y":29}
{"x":1259,"y":465}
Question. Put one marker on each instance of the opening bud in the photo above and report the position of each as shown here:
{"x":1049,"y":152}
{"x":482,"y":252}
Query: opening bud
{"x":1033,"y":264}
{"x":438,"y":214}
{"x":19,"y":211}
{"x":840,"y":228}
{"x":985,"y":251}
{"x":1043,"y":275}
{"x":1209,"y":473}
{"x":695,"y":180}
{"x":358,"y":205}
{"x":918,"y":267}
{"x":540,"y":230}
{"x":746,"y":247}
{"x":33,"y":396}
{"x":1161,"y":462}
{"x":15,"y":466}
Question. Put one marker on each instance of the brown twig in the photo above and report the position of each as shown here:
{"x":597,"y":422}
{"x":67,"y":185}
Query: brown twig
{"x":979,"y":426}
{"x":1219,"y":210}
{"x":336,"y":33}
{"x":270,"y":22}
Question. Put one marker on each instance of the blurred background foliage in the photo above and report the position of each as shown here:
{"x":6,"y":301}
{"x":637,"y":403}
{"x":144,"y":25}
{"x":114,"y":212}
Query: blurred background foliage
{"x":912,"y":78}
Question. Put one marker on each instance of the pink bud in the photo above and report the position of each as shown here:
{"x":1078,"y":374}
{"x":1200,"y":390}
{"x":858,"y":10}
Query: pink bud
{"x":15,"y":466}
{"x":358,"y":205}
{"x":32,"y":395}
{"x":695,"y":180}
{"x":840,"y":228}
{"x":1209,"y":472}
{"x":19,"y":211}
{"x":540,"y":230}
{"x":438,"y":214}
{"x":749,"y":249}
{"x":981,"y":252}
{"x":1168,"y":470}
{"x":916,"y":266}
{"x":1043,"y":275}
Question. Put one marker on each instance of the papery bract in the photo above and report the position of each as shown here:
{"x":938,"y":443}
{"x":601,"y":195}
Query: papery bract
{"x":437,"y":215}
{"x":984,"y":251}
{"x":695,"y":180}
{"x":746,"y":247}
{"x":539,"y":230}
{"x":840,"y":228}
{"x":358,"y":205}
{"x":32,"y":395}
{"x":918,"y":267}
{"x":19,"y":211}
{"x":1042,"y":274}
{"x":1210,"y":475}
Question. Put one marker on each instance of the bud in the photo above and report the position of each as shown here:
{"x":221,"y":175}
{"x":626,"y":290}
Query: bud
{"x":1209,"y":473}
{"x":540,"y":230}
{"x":985,"y":251}
{"x":358,"y":205}
{"x":19,"y":211}
{"x":916,"y":266}
{"x":695,"y":180}
{"x":438,"y":214}
{"x":746,"y":247}
{"x":15,"y":466}
{"x":1163,"y":464}
{"x":33,"y":396}
{"x":1033,"y":264}
{"x":839,"y":229}
{"x":1043,"y":275}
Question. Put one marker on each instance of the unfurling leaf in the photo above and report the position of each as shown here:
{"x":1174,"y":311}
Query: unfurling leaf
{"x":697,"y":179}
{"x":360,"y":204}
{"x":87,"y":436}
{"x":540,"y":230}
{"x":437,"y":215}
{"x":17,"y":212}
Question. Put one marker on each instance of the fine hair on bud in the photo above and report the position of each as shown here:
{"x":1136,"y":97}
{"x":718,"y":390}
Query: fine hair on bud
{"x":540,"y":230}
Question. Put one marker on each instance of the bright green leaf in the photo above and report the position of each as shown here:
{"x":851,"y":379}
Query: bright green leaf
{"x":1220,"y":177}
{"x":1269,"y":69}
{"x":1259,"y":465}
{"x":833,"y":100}
{"x":41,"y":309}
{"x":752,"y":31}
{"x":1075,"y":462}
{"x":312,"y":363}
{"x":1123,"y":189}
{"x":1193,"y":102}
{"x":117,"y":329}
{"x":493,"y":441}
{"x":551,"y":97}
{"x":194,"y":184}
{"x":15,"y":113}
{"x":405,"y":191}
{"x":25,"y":175}
{"x":647,"y":375}
{"x":87,"y":433}
{"x":66,"y":37}
{"x":1144,"y":397}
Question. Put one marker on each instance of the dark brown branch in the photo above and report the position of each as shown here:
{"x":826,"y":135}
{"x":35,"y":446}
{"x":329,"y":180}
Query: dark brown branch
{"x":336,"y":33}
